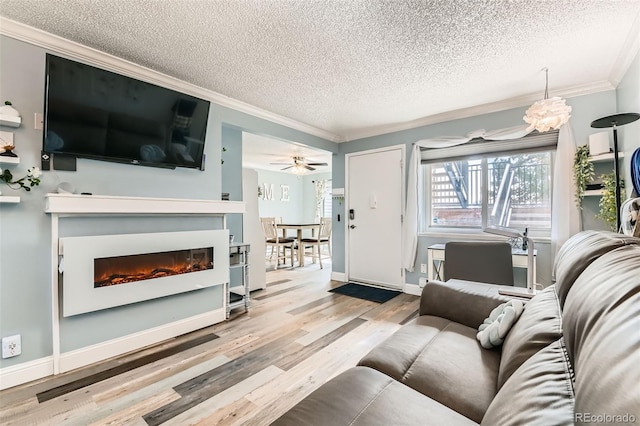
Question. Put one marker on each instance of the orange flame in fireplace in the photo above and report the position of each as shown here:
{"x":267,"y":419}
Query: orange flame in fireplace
{"x":116,"y":270}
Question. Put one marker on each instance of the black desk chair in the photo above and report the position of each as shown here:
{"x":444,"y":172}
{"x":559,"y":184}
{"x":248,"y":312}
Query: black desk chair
{"x":487,"y":262}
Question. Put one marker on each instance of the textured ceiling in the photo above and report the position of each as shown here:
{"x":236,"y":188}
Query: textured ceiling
{"x":351,"y":67}
{"x":258,"y":152}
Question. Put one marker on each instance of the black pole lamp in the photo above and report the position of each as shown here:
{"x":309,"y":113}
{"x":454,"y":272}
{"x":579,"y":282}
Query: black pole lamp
{"x":615,"y":121}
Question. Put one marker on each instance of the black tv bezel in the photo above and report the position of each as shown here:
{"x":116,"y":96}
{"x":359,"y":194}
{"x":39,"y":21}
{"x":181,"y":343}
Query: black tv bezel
{"x":105,"y":158}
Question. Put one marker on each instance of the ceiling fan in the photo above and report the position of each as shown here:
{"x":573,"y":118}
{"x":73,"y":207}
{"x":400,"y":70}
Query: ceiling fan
{"x":299,"y":163}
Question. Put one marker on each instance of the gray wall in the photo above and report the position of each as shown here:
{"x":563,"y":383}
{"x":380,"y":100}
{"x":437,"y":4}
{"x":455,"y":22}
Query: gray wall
{"x":25,"y":293}
{"x":290,"y":211}
{"x":585,"y":109}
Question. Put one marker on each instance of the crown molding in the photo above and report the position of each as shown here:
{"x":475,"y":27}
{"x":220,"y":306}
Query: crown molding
{"x":628,"y":52}
{"x":91,"y":56}
{"x":515,"y":102}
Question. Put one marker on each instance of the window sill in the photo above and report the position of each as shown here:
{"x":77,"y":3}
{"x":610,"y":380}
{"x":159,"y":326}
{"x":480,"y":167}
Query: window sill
{"x":476,"y":234}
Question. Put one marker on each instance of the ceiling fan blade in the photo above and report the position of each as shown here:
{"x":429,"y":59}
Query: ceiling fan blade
{"x":281,"y":164}
{"x":309,"y":168}
{"x":316,"y":164}
{"x":287,"y":168}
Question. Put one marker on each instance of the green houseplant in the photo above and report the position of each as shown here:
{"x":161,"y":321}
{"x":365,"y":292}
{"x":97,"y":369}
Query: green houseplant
{"x":608,"y":210}
{"x":583,"y":172}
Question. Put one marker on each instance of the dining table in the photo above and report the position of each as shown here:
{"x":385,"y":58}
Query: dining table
{"x":299,"y":227}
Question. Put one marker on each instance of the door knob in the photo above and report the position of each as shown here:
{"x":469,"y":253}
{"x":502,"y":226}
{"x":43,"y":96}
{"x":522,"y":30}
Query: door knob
{"x":352,"y":226}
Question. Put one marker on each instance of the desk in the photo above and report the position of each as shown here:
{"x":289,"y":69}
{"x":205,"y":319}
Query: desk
{"x":435,"y":254}
{"x":300,"y":227}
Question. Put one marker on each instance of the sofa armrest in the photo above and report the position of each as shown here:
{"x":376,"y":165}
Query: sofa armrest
{"x":464,"y":302}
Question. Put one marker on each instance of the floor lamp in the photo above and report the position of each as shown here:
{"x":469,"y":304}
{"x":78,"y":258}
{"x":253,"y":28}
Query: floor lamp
{"x":615,"y":121}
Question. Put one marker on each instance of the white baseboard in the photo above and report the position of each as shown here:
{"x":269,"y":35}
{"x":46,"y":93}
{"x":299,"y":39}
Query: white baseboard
{"x":27,"y":371}
{"x":339,"y":276}
{"x":412,"y":289}
{"x":105,"y":350}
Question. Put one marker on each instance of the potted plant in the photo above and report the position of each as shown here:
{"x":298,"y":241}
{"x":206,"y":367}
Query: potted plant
{"x":608,"y":210}
{"x":583,"y":172}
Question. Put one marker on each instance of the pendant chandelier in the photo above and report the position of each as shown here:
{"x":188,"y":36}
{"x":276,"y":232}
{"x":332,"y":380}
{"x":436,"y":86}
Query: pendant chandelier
{"x":549,"y":113}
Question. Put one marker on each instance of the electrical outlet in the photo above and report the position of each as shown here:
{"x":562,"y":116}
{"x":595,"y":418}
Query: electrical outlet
{"x":423,"y":268}
{"x":422,"y":281}
{"x":11,"y":346}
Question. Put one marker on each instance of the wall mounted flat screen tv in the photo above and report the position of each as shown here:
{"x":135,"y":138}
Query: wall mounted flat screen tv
{"x":98,"y":114}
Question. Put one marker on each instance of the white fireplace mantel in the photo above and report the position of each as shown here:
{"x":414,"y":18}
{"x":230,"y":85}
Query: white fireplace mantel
{"x":65,"y":205}
{"x":107,"y":204}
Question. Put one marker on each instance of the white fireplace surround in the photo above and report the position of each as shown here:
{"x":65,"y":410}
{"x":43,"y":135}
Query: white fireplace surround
{"x":73,"y":205}
{"x":80,"y":296}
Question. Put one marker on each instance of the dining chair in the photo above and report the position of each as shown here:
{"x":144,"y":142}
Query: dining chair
{"x":323,"y":238}
{"x":486,"y":261}
{"x":275,"y":242}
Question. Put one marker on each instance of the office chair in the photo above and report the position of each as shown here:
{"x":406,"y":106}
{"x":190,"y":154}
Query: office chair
{"x":487,"y":261}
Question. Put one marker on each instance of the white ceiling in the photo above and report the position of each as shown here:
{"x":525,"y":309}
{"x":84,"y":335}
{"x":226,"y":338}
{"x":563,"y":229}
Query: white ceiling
{"x":358,"y":67}
{"x":258,"y":152}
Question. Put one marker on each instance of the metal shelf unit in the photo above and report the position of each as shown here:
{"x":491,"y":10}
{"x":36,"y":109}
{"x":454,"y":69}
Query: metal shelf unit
{"x":239,"y":295}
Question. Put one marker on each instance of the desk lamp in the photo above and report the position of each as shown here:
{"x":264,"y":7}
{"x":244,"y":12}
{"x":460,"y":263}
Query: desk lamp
{"x":530,"y":291}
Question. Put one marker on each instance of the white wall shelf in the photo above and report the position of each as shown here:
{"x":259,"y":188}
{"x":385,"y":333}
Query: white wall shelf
{"x":605,"y":157}
{"x":10,"y":120}
{"x":9,"y":199}
{"x":9,"y":160}
{"x":593,"y":193}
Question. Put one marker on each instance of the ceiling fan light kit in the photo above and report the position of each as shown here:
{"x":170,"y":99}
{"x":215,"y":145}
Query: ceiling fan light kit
{"x":298,"y":165}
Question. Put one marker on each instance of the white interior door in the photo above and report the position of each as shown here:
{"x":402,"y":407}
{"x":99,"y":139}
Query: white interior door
{"x":374,"y":216}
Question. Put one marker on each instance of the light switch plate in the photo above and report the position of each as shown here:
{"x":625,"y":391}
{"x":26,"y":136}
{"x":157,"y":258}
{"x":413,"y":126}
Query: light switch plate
{"x":38,"y":121}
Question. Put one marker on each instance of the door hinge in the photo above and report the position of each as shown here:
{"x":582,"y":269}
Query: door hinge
{"x":401,"y":218}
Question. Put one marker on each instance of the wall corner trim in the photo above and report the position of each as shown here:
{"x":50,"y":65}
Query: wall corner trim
{"x":413,"y":289}
{"x":339,"y":276}
{"x":101,"y":351}
{"x":77,"y":51}
{"x":26,"y":372}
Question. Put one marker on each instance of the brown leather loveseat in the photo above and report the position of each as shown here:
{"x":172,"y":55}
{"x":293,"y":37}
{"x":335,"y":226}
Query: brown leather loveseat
{"x":573,"y":357}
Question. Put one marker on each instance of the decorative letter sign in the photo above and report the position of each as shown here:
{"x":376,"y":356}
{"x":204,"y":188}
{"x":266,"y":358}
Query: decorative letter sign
{"x":285,"y":192}
{"x":268,"y":191}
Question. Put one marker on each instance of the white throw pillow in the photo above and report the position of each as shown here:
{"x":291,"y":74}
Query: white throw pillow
{"x":494,"y":329}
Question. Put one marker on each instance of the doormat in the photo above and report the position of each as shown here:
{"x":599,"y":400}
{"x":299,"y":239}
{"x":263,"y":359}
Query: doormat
{"x":365,"y":292}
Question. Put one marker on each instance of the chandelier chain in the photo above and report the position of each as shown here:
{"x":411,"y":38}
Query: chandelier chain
{"x":546,"y":86}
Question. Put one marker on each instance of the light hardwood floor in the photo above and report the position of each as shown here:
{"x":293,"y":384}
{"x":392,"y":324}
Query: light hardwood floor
{"x":245,"y":371}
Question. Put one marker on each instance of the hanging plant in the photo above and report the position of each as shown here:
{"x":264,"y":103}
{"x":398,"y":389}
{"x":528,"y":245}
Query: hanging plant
{"x":583,"y":172}
{"x":608,"y":210}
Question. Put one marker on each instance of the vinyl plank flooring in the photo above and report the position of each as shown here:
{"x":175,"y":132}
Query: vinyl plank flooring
{"x":260,"y":363}
{"x":318,"y":302}
{"x":114,"y":371}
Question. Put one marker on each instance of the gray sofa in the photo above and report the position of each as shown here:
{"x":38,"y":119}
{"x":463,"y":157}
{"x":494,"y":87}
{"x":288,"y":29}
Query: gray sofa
{"x":572,"y":357}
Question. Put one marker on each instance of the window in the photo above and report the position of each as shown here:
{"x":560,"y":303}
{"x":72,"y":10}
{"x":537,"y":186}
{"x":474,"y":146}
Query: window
{"x":326,"y":200}
{"x":504,"y":189}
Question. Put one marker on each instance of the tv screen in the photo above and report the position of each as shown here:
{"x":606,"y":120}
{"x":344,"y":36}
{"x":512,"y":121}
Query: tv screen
{"x":98,"y":114}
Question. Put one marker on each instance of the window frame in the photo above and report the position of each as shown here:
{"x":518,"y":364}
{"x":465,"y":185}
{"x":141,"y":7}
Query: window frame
{"x":425,"y":211}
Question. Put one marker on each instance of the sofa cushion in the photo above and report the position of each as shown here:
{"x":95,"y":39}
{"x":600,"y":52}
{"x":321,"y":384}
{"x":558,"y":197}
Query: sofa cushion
{"x":495,"y":328}
{"x":538,"y":326}
{"x":540,"y":392}
{"x":579,"y":252}
{"x":365,"y":397}
{"x":442,"y":360}
{"x":602,"y":331}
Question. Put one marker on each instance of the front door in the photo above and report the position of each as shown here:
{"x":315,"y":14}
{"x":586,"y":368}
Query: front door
{"x":374,"y":216}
